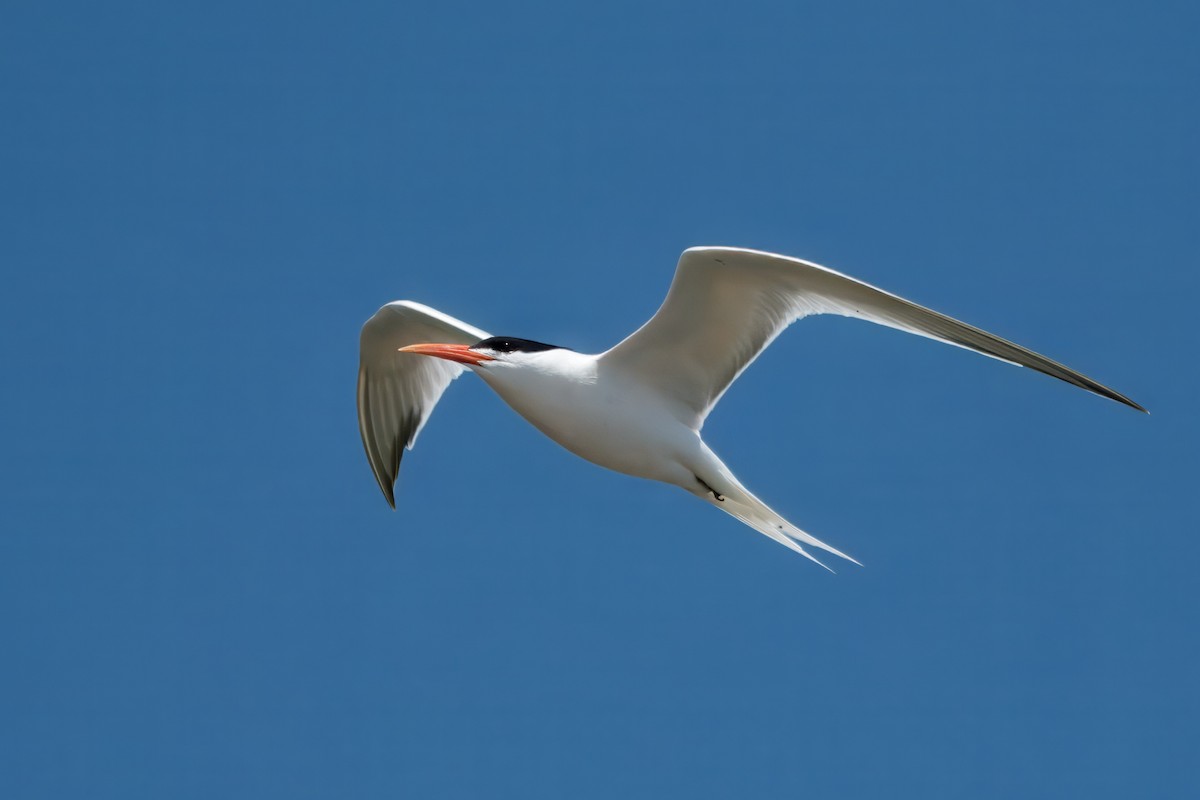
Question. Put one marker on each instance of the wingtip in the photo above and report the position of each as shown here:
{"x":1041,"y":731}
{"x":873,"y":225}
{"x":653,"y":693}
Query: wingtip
{"x":1122,"y":399}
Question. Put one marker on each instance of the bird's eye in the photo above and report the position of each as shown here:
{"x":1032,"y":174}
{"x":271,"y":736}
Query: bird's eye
{"x":497,"y":344}
{"x":510,"y":344}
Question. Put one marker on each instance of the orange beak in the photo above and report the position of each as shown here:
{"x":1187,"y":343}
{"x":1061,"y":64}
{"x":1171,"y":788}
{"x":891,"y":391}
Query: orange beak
{"x":461,"y":353}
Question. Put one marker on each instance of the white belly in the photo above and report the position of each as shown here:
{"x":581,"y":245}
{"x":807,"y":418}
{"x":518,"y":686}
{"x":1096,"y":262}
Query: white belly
{"x":613,"y":424}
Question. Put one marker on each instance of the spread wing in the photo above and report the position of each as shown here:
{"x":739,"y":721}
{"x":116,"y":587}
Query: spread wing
{"x":726,"y":304}
{"x":397,"y":391}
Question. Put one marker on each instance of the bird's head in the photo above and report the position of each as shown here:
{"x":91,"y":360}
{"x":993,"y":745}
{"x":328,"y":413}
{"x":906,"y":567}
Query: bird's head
{"x":494,"y":351}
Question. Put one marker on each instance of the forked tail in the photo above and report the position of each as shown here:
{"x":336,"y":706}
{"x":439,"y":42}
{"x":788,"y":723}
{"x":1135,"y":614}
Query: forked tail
{"x":758,"y":515}
{"x":730,"y":496}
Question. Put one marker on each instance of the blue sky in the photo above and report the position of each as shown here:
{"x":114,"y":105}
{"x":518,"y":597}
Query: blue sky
{"x":203,"y":593}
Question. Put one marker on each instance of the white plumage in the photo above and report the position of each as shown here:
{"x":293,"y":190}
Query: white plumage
{"x":639,"y":407}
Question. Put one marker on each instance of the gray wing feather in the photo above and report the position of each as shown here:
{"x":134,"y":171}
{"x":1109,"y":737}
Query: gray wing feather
{"x":726,"y":304}
{"x":397,"y":391}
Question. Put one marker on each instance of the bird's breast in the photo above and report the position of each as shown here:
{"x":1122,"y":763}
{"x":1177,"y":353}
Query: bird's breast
{"x":611,"y":423}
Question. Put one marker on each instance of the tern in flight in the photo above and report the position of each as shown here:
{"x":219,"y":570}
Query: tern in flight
{"x":639,"y":407}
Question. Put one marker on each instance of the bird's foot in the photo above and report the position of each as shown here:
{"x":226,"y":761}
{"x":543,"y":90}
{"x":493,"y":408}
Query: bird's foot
{"x":719,"y":497}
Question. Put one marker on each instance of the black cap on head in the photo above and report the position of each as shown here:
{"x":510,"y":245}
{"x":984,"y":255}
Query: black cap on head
{"x":511,"y":344}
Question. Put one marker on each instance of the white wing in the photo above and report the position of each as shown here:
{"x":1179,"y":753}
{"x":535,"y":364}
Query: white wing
{"x":726,"y":304}
{"x":397,"y":392}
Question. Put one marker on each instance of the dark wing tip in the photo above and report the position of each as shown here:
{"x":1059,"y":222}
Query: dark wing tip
{"x":1101,"y":390}
{"x":388,"y":482}
{"x":386,"y":479}
{"x":1104,"y":391}
{"x":1134,"y":405}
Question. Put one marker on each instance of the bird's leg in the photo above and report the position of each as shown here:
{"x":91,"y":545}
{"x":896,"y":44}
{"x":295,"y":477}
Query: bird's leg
{"x":720,"y":498}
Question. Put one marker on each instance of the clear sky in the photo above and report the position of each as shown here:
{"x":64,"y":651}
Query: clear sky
{"x":203,"y":593}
